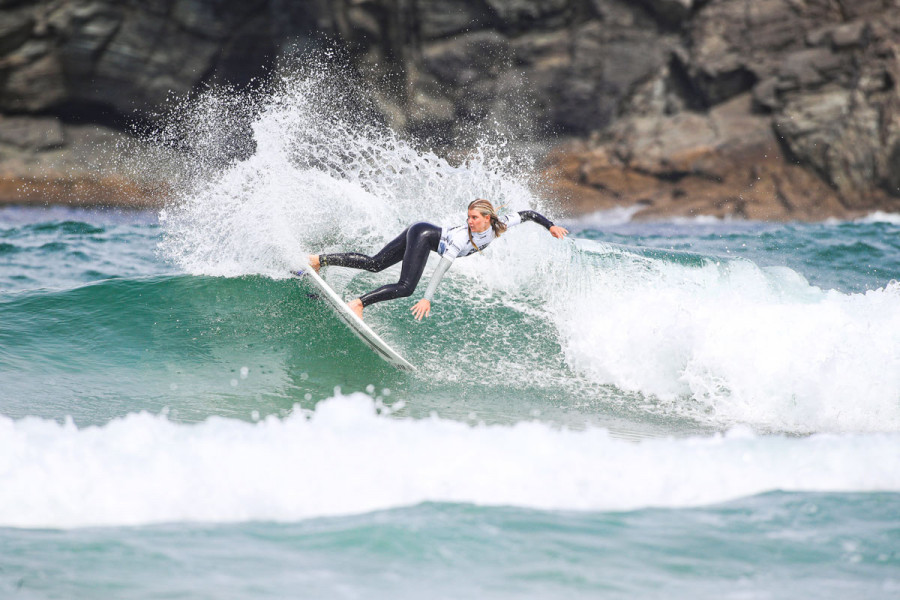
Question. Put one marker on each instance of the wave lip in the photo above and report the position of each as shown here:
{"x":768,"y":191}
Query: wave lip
{"x":344,"y":458}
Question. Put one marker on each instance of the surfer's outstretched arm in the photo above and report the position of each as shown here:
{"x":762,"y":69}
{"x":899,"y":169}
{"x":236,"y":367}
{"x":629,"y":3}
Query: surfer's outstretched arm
{"x":555,"y":230}
{"x":422,"y":308}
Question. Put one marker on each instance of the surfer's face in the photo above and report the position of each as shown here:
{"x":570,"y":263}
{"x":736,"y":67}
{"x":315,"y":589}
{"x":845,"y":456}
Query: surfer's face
{"x":478,"y":222}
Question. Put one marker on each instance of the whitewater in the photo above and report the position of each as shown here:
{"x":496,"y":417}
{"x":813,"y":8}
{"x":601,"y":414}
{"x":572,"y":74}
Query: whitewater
{"x":144,"y":469}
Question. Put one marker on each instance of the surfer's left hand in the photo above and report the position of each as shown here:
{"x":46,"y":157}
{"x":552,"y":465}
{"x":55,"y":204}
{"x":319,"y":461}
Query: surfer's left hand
{"x":422,"y":308}
{"x":558,"y":232}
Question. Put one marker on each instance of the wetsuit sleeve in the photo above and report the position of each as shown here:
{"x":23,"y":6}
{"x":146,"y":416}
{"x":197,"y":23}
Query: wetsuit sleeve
{"x":511,"y":219}
{"x":530,"y":215}
{"x":436,"y":277}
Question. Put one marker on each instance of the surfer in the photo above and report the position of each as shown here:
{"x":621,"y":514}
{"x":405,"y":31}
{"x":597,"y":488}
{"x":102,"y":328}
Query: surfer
{"x":483,"y":226}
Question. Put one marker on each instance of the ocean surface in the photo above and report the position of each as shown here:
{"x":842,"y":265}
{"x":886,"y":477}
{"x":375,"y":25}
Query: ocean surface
{"x":681,"y":409}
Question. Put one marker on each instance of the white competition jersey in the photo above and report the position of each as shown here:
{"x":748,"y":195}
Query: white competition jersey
{"x":455,"y":240}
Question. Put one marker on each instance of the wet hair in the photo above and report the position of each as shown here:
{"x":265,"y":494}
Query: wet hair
{"x":487,"y":210}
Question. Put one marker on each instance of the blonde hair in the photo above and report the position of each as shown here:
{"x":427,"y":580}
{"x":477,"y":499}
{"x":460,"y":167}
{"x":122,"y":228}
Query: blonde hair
{"x":487,"y":210}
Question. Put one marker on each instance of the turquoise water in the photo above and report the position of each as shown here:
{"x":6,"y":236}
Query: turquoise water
{"x":689,"y":409}
{"x":174,"y":435}
{"x":772,"y":546}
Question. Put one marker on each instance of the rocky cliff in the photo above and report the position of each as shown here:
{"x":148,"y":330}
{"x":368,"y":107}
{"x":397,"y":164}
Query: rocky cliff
{"x":774,"y":109}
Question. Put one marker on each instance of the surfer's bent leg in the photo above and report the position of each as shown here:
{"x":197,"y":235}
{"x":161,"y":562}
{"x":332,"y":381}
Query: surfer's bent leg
{"x":386,"y":257}
{"x":421,"y":239}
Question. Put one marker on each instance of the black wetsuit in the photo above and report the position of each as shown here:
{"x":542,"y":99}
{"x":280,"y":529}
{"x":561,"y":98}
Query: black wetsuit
{"x":412,"y":247}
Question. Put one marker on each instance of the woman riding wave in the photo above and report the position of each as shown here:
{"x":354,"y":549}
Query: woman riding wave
{"x":483,"y":226}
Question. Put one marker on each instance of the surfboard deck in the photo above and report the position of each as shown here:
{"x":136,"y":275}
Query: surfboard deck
{"x":356,"y":325}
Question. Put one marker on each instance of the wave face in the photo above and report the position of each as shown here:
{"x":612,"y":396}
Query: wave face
{"x":344,"y":458}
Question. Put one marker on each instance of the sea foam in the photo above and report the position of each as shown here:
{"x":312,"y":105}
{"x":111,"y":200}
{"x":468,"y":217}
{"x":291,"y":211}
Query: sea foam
{"x":344,"y":458}
{"x":731,"y":342}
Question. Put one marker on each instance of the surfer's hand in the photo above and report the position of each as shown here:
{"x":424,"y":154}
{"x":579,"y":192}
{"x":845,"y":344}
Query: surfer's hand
{"x":558,"y":232}
{"x":422,"y":308}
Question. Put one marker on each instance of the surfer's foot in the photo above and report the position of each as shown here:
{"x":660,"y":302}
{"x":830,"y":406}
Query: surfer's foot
{"x":314,"y":262}
{"x":356,"y":306}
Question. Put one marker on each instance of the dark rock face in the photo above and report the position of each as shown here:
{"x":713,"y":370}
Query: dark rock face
{"x":687,"y":106}
{"x":837,"y":106}
{"x":131,"y":54}
{"x":579,"y":58}
{"x":822,"y":76}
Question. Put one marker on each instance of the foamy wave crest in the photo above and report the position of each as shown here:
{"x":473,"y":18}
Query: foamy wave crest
{"x":317,"y":172}
{"x":881,"y":217}
{"x":731,"y":342}
{"x":344,"y":458}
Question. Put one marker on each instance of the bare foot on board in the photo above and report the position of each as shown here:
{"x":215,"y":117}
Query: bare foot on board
{"x":356,"y":306}
{"x":314,"y":262}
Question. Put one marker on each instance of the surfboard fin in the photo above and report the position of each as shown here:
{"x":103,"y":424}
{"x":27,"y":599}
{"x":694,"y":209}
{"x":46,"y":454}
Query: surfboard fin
{"x":300,"y":274}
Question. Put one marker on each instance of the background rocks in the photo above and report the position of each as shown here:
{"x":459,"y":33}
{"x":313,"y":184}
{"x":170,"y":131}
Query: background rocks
{"x":782,"y":109}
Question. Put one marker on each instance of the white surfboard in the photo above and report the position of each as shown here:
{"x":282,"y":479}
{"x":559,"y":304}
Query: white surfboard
{"x":357,"y":325}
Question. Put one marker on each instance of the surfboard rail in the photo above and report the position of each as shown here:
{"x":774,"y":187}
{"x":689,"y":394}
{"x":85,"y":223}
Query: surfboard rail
{"x":356,"y":325}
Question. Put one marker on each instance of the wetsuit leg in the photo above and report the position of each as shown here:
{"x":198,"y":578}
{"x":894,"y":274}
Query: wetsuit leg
{"x":390,"y":255}
{"x":421,"y":239}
